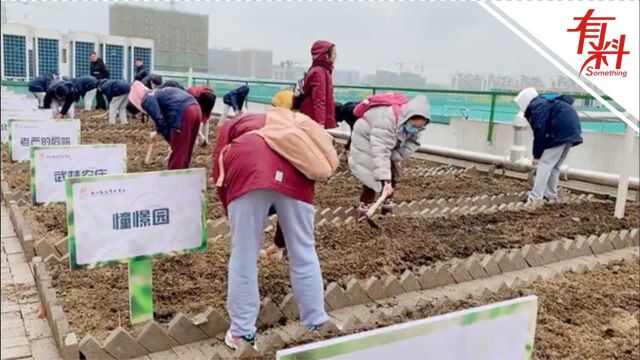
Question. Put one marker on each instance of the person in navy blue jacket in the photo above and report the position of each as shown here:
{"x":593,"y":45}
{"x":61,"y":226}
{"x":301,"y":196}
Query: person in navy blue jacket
{"x":116,"y":93}
{"x":171,"y":83}
{"x":87,"y":87}
{"x":556,"y":129}
{"x":177,"y":117}
{"x":38,"y":85}
{"x":234,"y":99}
{"x":60,"y":96}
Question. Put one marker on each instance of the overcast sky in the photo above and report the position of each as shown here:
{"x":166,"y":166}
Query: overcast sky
{"x":445,"y":36}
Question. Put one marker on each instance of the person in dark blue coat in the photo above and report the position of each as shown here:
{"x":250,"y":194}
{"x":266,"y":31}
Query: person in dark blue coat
{"x":38,"y":85}
{"x":556,"y":129}
{"x":60,"y":97}
{"x":172,"y":83}
{"x":140,"y":70}
{"x":234,"y":99}
{"x":116,"y":93}
{"x":177,"y":117}
{"x":87,"y":87}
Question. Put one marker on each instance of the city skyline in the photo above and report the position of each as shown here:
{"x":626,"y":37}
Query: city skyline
{"x":437,"y":38}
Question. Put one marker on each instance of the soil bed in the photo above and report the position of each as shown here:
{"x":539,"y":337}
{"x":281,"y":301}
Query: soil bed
{"x":593,"y":315}
{"x":96,"y":299}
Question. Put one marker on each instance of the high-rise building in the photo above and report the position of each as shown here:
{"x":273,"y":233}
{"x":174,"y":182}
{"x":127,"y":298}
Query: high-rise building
{"x":224,"y":62}
{"x":181,"y":39}
{"x":248,"y":63}
{"x":256,"y":63}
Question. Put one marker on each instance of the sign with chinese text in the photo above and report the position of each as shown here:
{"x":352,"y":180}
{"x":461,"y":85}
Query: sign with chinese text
{"x":20,"y":115}
{"x":51,"y":166}
{"x":500,"y":331}
{"x":23,"y":134}
{"x":117,"y":218}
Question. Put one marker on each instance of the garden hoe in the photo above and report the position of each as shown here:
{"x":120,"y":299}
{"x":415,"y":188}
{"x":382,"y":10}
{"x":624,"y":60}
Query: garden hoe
{"x":374,"y":207}
{"x":152,"y":140}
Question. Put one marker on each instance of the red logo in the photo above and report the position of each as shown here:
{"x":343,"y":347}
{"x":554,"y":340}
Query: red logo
{"x":591,"y":27}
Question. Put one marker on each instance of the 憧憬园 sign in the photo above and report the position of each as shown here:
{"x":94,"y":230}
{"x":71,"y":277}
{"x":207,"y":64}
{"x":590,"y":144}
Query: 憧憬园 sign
{"x":131,"y":218}
{"x":500,"y":331}
{"x":51,"y":166}
{"x":23,"y":134}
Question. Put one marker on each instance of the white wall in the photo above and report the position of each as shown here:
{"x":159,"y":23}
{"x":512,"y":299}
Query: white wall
{"x":599,"y":152}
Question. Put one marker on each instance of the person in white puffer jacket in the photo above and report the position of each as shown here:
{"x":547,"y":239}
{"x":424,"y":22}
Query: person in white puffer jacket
{"x":379,"y":142}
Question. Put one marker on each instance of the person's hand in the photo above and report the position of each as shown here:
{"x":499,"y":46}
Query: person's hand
{"x":273,"y":253}
{"x":388,"y":188}
{"x":535,"y":162}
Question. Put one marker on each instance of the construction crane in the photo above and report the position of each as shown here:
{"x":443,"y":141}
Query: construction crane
{"x":416,"y":65}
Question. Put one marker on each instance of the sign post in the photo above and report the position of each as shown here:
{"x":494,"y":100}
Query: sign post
{"x":132,"y":218}
{"x":140,"y":291}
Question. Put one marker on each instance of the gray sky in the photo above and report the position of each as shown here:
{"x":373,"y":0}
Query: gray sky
{"x":446,"y":36}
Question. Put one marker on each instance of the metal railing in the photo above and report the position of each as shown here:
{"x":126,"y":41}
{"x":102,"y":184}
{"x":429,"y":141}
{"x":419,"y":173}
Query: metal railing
{"x":495,"y":106}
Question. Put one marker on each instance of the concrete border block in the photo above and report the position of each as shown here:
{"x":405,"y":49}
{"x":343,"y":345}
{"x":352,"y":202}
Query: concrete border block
{"x":616,"y":240}
{"x":443,"y":274}
{"x":335,"y":297}
{"x":517,"y":259}
{"x":601,"y":244}
{"x":121,"y":345}
{"x":184,"y":331}
{"x":472,"y":264}
{"x":635,"y":236}
{"x":531,"y":256}
{"x":289,"y":308}
{"x":490,"y":266}
{"x":154,"y":338}
{"x":355,"y":292}
{"x":269,"y":313}
{"x":546,"y":254}
{"x":374,"y":288}
{"x":582,"y":245}
{"x":459,"y":271}
{"x":502,"y":260}
{"x":427,"y":278}
{"x":392,"y":286}
{"x":91,"y":349}
{"x":409,"y":282}
{"x":558,"y":249}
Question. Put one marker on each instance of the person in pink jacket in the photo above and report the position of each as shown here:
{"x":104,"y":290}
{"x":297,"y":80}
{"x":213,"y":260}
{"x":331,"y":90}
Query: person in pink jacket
{"x":317,"y":102}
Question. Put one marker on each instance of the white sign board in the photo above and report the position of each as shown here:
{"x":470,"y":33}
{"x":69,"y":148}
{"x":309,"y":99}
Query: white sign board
{"x":20,"y":115}
{"x":116,"y":218}
{"x":26,"y":133}
{"x":500,"y":331}
{"x":50,"y":166}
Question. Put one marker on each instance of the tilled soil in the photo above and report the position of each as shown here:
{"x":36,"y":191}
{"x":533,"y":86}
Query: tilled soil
{"x":97,"y":300}
{"x":593,"y":315}
{"x":49,"y":222}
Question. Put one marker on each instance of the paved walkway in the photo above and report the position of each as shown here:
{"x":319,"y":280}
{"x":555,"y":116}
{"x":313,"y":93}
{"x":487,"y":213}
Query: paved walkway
{"x":24,"y":334}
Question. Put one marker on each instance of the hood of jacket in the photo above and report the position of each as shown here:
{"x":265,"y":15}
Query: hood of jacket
{"x":418,"y":106}
{"x":319,"y":50}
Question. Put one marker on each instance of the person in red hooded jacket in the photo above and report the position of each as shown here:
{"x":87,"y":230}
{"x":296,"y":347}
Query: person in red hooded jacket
{"x":318,"y":102}
{"x":250,"y":179}
{"x":206,"y":98}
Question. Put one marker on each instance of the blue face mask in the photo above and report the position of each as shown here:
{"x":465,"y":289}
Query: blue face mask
{"x":410,"y":129}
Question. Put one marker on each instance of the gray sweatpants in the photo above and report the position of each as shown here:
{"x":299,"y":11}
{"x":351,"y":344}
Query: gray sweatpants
{"x":40,"y":97}
{"x":118,"y":107}
{"x":248,"y":218}
{"x":548,"y":173}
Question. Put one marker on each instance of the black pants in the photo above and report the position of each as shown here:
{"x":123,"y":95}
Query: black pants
{"x":100,"y":102}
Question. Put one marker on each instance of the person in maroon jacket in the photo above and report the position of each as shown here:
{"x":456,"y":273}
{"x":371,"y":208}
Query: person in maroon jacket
{"x":206,"y":98}
{"x":318,"y":102}
{"x":251,"y":178}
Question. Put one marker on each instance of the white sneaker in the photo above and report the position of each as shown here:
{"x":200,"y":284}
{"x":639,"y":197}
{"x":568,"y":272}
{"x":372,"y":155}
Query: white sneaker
{"x":236,"y":342}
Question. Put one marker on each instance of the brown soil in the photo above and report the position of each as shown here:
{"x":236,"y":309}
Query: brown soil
{"x":95,"y":300}
{"x":593,"y":315}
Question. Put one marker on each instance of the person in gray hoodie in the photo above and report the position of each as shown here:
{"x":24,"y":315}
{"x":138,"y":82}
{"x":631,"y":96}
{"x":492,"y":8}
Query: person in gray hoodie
{"x":379,"y":142}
